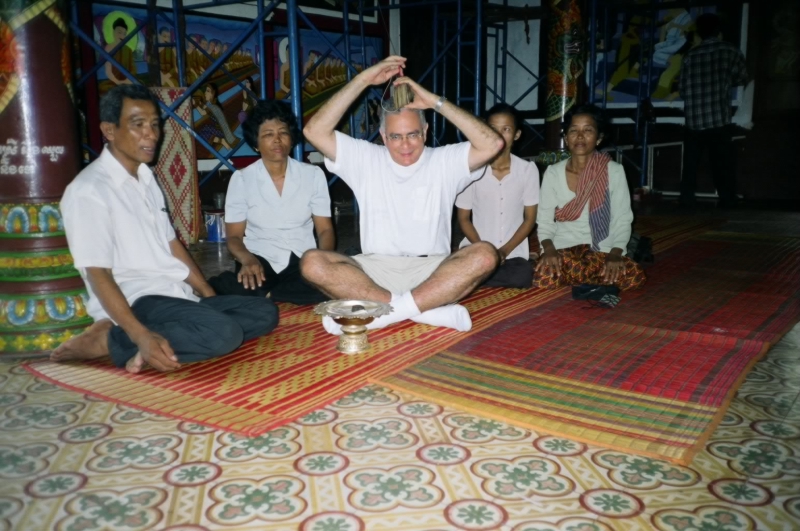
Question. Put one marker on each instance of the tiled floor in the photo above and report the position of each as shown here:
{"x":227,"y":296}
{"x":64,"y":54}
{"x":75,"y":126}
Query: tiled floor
{"x":381,"y":460}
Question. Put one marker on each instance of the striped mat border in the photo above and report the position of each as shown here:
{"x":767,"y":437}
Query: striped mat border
{"x":295,"y":370}
{"x":662,"y":428}
{"x":282,"y":376}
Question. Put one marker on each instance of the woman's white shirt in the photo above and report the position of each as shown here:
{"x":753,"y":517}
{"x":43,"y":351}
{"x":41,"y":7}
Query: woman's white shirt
{"x":498,"y":206}
{"x":565,"y":234}
{"x":278,"y":224}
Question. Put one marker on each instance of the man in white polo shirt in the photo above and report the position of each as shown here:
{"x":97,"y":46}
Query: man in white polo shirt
{"x":406,"y":193}
{"x":143,"y":285}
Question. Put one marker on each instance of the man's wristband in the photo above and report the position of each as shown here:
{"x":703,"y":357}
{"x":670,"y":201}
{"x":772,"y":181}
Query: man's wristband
{"x":438,"y":106}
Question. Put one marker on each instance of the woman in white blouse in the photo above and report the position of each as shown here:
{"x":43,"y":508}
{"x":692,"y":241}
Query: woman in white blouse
{"x":272,"y":209}
{"x":585,"y":213}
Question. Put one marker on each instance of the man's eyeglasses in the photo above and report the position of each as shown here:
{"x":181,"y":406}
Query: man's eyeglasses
{"x":411,"y":137}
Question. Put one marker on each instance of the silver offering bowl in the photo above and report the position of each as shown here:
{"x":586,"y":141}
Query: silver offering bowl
{"x":353,"y":316}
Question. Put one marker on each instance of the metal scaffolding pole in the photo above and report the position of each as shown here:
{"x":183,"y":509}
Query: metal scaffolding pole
{"x":178,"y":13}
{"x":294,"y":69}
{"x":463,"y":26}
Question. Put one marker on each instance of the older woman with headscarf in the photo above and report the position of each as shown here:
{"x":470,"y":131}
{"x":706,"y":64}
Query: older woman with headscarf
{"x":585,"y":213}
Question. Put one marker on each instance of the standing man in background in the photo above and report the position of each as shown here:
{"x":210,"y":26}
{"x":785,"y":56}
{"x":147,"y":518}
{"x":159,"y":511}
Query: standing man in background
{"x":708,"y":74}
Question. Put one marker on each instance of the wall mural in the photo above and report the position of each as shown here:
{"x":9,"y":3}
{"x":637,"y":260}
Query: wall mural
{"x":637,"y":43}
{"x":329,"y":75}
{"x":221,"y":104}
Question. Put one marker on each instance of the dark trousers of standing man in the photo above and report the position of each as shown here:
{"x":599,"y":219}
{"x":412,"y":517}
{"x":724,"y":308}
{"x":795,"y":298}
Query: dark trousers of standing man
{"x":722,"y":155}
{"x":196,"y":331}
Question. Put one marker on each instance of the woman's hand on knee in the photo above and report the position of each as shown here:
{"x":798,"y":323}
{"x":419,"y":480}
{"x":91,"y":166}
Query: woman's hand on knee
{"x":613,"y":268}
{"x":251,"y":275}
{"x":549,"y":263}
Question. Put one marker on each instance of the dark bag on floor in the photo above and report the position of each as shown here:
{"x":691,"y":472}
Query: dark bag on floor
{"x":593,"y":292}
{"x":598,"y":296}
{"x":640,"y":248}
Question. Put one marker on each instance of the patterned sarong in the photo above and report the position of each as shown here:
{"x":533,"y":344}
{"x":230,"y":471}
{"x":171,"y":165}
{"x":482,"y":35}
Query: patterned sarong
{"x":581,"y":265}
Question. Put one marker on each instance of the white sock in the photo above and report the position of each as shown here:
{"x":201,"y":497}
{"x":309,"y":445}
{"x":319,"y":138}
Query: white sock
{"x":331,"y":326}
{"x":403,"y":307}
{"x":451,"y":316}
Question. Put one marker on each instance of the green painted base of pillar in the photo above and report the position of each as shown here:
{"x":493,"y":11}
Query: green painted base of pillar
{"x":36,"y":343}
{"x":40,"y":322}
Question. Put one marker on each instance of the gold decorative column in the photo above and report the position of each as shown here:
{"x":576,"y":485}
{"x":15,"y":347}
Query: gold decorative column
{"x":565,"y":62}
{"x":42,"y":297}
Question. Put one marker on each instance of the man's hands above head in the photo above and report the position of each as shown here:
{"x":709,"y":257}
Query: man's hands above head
{"x":319,"y":131}
{"x":383,"y":71}
{"x":423,"y":98}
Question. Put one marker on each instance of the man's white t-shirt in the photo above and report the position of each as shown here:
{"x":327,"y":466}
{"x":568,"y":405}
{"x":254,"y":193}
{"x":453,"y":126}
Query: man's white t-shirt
{"x":115,"y":221}
{"x":498,"y":205}
{"x":278,"y":224}
{"x":405,"y":210}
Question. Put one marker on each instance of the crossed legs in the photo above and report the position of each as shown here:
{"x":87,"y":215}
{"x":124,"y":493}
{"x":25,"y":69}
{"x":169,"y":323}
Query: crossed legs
{"x":195,"y":331}
{"x":431,"y":302}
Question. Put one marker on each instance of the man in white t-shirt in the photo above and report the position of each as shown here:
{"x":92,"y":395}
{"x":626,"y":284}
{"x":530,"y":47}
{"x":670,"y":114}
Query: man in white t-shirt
{"x":406,"y":193}
{"x":140,"y":278}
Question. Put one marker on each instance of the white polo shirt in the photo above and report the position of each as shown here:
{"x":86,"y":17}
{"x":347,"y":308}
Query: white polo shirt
{"x":278,"y":224}
{"x":498,"y":205}
{"x":117,"y":222}
{"x":405,"y":210}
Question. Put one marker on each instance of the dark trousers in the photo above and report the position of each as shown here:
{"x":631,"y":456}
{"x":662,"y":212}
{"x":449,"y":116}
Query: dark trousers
{"x":286,"y":286}
{"x":197,"y":331}
{"x":722,"y":155}
{"x":513,"y":273}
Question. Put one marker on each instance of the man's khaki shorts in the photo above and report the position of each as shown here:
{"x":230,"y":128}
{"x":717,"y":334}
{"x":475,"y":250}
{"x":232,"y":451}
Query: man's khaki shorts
{"x":398,"y":274}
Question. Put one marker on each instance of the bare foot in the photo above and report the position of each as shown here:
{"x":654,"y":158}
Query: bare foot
{"x":89,"y":345}
{"x":135,"y":364}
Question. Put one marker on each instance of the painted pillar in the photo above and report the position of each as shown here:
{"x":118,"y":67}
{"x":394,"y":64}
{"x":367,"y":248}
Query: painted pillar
{"x":41,"y":294}
{"x":565,"y":62}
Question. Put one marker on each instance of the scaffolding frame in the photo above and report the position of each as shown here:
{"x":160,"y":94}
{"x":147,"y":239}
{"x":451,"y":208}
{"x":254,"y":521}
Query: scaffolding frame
{"x":467,"y":29}
{"x":175,"y":17}
{"x":497,"y":29}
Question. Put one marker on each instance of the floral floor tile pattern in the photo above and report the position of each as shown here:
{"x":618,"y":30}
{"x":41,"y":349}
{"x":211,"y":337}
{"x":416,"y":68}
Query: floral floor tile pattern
{"x":379,"y":460}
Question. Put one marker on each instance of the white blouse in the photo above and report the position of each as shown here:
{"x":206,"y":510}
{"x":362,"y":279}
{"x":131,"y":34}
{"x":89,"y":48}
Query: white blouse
{"x":498,"y":206}
{"x":565,"y":234}
{"x":278,"y":224}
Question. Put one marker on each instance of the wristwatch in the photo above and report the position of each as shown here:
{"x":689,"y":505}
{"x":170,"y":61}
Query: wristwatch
{"x":438,"y":106}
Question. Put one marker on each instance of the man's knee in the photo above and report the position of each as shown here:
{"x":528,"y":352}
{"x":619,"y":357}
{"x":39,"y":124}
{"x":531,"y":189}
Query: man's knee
{"x":244,"y":317}
{"x":227,"y":337}
{"x":313,"y":264}
{"x":484,"y":257}
{"x":265,"y":315}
